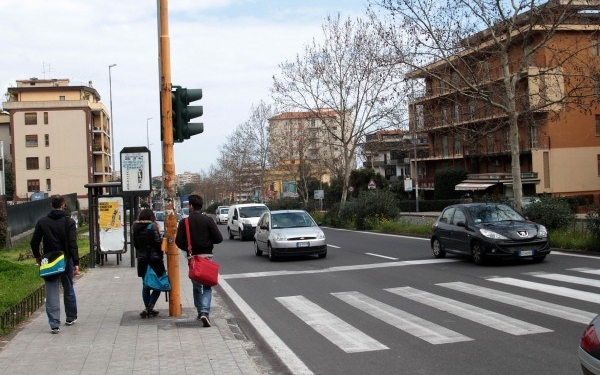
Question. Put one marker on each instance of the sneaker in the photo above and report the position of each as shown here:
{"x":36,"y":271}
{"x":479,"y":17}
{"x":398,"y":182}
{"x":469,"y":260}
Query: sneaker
{"x":70,"y":322}
{"x":144,"y":314}
{"x":54,"y":331}
{"x":205,"y":320}
{"x":153,"y":312}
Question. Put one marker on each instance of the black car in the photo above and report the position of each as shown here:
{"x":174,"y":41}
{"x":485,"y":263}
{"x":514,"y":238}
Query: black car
{"x":488,"y":230}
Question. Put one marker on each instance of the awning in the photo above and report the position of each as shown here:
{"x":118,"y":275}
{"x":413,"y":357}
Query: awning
{"x":474,"y":185}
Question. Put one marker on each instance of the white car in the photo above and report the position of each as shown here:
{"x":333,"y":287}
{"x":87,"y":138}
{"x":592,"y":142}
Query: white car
{"x":222,"y":215}
{"x":242,"y":219}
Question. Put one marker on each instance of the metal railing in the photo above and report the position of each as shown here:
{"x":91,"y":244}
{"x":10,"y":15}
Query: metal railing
{"x":21,"y":311}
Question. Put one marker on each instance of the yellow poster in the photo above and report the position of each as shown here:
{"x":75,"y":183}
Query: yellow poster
{"x":109,"y":215}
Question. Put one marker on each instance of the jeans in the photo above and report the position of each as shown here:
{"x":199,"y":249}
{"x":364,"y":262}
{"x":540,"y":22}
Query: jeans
{"x":53,"y":296}
{"x":150,"y":296}
{"x":202,"y":297}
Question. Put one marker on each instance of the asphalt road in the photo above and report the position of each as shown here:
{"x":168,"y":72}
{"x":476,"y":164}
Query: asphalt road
{"x":381,"y":304}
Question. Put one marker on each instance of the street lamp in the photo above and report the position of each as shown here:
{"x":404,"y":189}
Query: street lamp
{"x":112,"y":136}
{"x":147,"y":137}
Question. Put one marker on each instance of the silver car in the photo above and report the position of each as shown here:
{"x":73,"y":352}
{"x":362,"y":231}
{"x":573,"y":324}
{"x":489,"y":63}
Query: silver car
{"x":589,"y":349}
{"x":289,"y":233}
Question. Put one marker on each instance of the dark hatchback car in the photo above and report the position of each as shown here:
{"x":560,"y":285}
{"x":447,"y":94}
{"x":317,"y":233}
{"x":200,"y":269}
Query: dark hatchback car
{"x":484,"y":231}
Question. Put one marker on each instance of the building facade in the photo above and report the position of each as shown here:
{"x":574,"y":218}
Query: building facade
{"x":60,"y":138}
{"x":557,"y":90}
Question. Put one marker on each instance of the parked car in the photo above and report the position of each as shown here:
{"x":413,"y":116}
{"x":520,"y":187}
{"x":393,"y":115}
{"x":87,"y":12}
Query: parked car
{"x":185,"y":212}
{"x":488,"y":230}
{"x":589,"y":349}
{"x":289,"y":233}
{"x":242,"y":219}
{"x":160,"y":220}
{"x":222,"y":215}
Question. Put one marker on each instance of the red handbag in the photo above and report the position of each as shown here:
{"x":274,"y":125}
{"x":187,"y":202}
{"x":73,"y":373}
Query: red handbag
{"x":201,"y":269}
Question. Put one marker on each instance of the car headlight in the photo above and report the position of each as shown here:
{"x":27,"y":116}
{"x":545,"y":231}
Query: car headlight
{"x":320,"y":236}
{"x":491,"y":234}
{"x":542,"y":231}
{"x":278,"y":237}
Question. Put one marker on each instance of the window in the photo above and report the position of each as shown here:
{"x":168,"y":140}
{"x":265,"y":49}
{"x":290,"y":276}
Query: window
{"x":47,"y":140}
{"x":597,"y":125}
{"x":598,"y":161}
{"x":45,"y":118}
{"x":456,"y":113}
{"x":597,"y":85}
{"x":31,"y":118}
{"x":442,"y":86}
{"x":47,"y":162}
{"x":31,"y":140}
{"x":62,"y":97}
{"x":48,"y":184}
{"x":32,"y":163}
{"x":596,"y":47}
{"x":33,"y":186}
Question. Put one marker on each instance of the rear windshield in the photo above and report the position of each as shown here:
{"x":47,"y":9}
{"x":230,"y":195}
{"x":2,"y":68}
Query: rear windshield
{"x":254,"y":211}
{"x":224,"y":210}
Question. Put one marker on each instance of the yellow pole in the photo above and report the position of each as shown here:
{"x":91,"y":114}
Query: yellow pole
{"x":168,"y":158}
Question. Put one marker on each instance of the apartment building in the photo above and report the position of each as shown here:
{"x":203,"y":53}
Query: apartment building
{"x":558,"y":91}
{"x":60,"y":138}
{"x":187,"y":178}
{"x":303,"y":138}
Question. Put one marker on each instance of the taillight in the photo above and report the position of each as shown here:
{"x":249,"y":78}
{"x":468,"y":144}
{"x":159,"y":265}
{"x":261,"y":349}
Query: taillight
{"x":589,"y":340}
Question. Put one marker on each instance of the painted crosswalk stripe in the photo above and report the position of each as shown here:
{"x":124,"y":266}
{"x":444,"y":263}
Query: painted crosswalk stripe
{"x":592,"y":271}
{"x":482,"y":316}
{"x":532,"y":304}
{"x":567,"y":279}
{"x":334,"y":329}
{"x":552,"y":289}
{"x":411,"y":324}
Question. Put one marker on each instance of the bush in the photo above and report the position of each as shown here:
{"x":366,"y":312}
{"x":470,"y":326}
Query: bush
{"x":594,"y":223}
{"x":369,"y":208}
{"x":553,"y":212}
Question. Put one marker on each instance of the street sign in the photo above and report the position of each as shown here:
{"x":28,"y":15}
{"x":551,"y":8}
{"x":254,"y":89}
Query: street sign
{"x":408,"y":184}
{"x":135,"y":171}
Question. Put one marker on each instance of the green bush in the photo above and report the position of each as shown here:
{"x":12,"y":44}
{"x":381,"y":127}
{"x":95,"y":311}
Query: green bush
{"x":553,"y":212}
{"x":369,"y":207}
{"x":594,"y":222}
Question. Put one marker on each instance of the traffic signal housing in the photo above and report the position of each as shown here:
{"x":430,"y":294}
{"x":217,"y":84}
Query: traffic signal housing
{"x":183,"y":113}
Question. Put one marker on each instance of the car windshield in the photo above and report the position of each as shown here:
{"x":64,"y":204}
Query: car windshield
{"x":160,"y":216}
{"x":255,"y":211}
{"x":186,"y":211}
{"x":292,"y":220}
{"x":490,"y":213}
{"x":224,"y":211}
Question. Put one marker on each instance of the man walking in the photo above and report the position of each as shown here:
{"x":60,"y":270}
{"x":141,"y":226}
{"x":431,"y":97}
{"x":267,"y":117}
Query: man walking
{"x":204,"y":233}
{"x":57,"y":232}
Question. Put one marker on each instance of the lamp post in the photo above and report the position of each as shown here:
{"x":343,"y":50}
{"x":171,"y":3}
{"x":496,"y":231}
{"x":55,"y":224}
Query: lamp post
{"x":112,"y":136}
{"x":147,"y":137}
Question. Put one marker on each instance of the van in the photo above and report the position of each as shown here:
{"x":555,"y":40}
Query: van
{"x":243,"y":218}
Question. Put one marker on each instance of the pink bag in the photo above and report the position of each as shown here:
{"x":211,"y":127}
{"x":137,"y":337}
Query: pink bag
{"x":202,"y":270}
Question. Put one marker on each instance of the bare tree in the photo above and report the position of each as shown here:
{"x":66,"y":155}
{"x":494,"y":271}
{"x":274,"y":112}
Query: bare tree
{"x":343,"y":73}
{"x":505,"y":60}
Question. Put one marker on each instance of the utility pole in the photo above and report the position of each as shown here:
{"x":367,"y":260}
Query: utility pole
{"x":166,"y":105}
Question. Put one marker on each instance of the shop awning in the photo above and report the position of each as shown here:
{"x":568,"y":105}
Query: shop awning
{"x":474,"y":185}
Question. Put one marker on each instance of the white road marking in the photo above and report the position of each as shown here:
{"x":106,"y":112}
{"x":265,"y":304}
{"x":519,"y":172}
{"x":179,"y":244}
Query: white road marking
{"x":578,"y":255}
{"x":334,"y":329}
{"x":567,"y":279}
{"x":592,"y":271}
{"x":411,"y":324}
{"x":287,"y":356}
{"x":336,"y":247}
{"x":532,"y":304}
{"x":557,"y":290}
{"x":482,"y":316}
{"x":340,"y":268}
{"x":381,"y":256}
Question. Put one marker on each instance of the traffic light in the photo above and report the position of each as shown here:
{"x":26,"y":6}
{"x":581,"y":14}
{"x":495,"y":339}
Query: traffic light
{"x":183,"y":113}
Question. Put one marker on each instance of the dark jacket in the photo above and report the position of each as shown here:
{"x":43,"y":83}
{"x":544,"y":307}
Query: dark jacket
{"x":147,"y":240}
{"x":51,"y":232}
{"x":204,"y":234}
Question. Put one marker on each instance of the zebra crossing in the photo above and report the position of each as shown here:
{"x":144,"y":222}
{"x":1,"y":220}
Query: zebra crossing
{"x":352,"y":340}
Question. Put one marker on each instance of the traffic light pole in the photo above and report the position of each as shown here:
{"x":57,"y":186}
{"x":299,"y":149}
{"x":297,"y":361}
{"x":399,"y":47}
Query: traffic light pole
{"x":168,"y":158}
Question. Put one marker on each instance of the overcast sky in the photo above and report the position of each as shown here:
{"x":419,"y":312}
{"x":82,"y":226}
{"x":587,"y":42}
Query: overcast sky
{"x":229,"y":48}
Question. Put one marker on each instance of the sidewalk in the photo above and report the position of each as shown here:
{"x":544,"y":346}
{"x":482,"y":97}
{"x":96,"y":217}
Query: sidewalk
{"x":109,"y":336}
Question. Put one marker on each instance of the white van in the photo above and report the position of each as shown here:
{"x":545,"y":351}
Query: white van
{"x":243,"y":218}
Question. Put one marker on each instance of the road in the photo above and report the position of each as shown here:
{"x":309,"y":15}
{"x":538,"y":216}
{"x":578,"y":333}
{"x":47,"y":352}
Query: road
{"x":381,"y":304}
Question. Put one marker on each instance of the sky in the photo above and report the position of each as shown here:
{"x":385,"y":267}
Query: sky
{"x":228,"y":48}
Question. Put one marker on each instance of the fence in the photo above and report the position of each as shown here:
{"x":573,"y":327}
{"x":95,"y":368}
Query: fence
{"x":20,"y":312}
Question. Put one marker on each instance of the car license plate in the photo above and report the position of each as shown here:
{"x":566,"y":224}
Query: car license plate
{"x":302,"y":244}
{"x":526,"y":253}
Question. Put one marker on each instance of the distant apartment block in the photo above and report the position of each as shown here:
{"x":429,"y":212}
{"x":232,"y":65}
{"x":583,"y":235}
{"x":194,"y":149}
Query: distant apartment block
{"x":60,"y":138}
{"x":187,"y":178}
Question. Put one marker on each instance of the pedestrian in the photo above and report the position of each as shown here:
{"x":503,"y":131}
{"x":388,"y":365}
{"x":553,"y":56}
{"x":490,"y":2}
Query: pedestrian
{"x":58,"y":232}
{"x":147,"y":240}
{"x":204,"y":233}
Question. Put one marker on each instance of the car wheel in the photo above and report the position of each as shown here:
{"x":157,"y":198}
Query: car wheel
{"x":323,"y":255}
{"x":230,"y":234}
{"x":257,"y":251}
{"x":477,"y":253}
{"x":242,"y":238}
{"x":438,"y":249}
{"x":272,"y":256}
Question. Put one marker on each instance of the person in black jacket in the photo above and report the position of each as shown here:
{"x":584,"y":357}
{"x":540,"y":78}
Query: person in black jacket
{"x":57,"y":232}
{"x":147,"y":240}
{"x":204,"y":233}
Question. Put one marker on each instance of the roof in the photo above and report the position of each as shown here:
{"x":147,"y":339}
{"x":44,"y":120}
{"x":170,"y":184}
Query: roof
{"x":305,"y":114}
